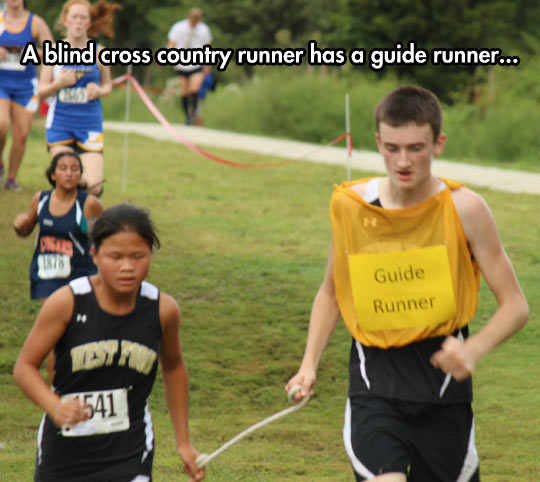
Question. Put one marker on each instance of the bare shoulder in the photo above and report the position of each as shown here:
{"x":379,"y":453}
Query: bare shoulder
{"x":473,"y":211}
{"x":468,"y":203}
{"x":35,"y":199}
{"x":40,"y":29}
{"x":169,"y":311}
{"x":33,"y":207}
{"x":61,"y":296}
{"x":37,"y":23}
{"x":93,"y":206}
{"x":59,"y":306}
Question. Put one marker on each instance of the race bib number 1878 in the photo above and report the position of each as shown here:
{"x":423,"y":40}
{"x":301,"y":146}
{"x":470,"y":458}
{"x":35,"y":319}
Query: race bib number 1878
{"x":53,"y":265}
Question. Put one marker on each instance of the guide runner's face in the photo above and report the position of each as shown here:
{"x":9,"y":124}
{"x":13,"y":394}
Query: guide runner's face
{"x":67,"y":173}
{"x":123,"y":261}
{"x":77,"y":21}
{"x":408,"y":151}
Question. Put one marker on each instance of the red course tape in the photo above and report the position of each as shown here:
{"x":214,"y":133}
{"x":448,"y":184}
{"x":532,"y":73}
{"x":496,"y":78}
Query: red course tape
{"x":159,"y":116}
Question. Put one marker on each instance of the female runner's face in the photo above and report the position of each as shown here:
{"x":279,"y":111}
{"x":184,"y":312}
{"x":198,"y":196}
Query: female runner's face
{"x":123,"y":261}
{"x":67,"y":173}
{"x":77,"y":21}
{"x":14,"y":3}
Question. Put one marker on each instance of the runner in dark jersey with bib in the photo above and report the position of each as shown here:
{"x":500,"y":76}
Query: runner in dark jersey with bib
{"x":64,"y":215}
{"x":109,"y":331}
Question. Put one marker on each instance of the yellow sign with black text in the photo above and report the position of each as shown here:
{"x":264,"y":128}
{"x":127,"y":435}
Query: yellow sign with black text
{"x":402,"y":289}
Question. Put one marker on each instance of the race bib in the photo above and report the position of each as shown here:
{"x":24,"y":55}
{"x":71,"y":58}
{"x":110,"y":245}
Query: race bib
{"x":109,"y":413}
{"x":12,"y":62}
{"x":53,"y":265}
{"x":402,"y":289}
{"x":73,"y":95}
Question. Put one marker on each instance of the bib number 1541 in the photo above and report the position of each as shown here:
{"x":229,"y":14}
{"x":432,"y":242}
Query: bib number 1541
{"x":108,"y":413}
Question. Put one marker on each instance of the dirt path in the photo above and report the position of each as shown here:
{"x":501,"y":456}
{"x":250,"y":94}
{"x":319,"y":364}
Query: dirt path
{"x":489,"y":177}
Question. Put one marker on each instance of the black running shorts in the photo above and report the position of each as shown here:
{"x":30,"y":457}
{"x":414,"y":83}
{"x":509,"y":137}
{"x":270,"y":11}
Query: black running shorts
{"x":425,"y":441}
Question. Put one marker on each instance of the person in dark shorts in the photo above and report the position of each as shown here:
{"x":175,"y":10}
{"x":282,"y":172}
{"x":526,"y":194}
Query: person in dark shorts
{"x":64,"y":215}
{"x":403,"y":272}
{"x":109,"y":332}
{"x":186,"y":34}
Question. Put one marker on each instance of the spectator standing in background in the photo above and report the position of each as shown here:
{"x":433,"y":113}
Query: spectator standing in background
{"x":187,"y":34}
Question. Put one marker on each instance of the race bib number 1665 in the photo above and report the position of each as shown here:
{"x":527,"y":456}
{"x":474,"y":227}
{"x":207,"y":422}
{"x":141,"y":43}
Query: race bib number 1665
{"x":73,"y":95}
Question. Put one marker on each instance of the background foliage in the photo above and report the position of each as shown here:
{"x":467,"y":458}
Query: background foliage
{"x":511,"y":25}
{"x":500,"y":128}
{"x":491,"y":112}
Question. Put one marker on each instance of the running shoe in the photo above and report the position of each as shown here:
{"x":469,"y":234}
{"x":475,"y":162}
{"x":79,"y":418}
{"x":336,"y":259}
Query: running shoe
{"x":11,"y":185}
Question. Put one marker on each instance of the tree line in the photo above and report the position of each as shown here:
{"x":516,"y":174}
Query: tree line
{"x":511,"y":25}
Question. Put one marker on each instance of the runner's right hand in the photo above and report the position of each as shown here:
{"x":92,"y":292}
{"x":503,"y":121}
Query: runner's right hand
{"x":67,"y":77}
{"x":306,"y":379}
{"x":70,"y":412}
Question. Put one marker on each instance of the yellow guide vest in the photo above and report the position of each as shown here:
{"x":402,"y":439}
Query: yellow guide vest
{"x":401,"y":275}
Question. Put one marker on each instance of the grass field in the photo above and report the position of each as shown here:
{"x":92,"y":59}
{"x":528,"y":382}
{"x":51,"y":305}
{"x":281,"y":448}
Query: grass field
{"x":243,"y":252}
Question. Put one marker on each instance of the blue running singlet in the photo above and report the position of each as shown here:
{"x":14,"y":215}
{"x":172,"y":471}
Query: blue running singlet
{"x":18,"y":83}
{"x":72,"y":118}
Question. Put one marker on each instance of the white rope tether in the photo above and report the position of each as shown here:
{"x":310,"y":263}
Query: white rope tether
{"x":204,"y":459}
